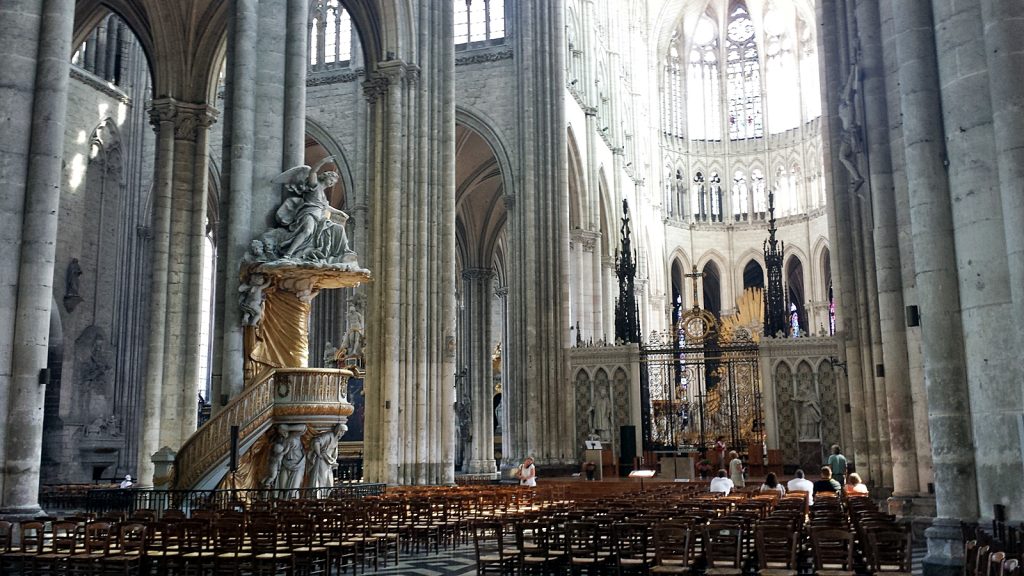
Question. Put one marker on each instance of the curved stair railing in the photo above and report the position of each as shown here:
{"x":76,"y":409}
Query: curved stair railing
{"x":281,"y":395}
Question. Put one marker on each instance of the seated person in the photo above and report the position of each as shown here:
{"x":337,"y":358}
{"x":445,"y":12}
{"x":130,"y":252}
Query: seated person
{"x":771,"y":484}
{"x":721,"y":483}
{"x":801,"y":484}
{"x":855,"y":486}
{"x":827,"y":482}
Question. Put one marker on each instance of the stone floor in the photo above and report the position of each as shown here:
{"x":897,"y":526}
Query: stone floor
{"x":457,"y":562}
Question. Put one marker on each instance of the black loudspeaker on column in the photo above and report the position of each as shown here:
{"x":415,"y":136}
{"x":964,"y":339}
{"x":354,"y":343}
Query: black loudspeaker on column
{"x":627,"y":444}
{"x":233,"y":465}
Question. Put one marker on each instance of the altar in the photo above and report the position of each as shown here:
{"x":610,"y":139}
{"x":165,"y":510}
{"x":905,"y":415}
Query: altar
{"x":676,"y":465}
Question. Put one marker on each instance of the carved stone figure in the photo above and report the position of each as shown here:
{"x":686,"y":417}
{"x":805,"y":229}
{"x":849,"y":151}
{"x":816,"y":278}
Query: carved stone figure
{"x":330,"y":357}
{"x":292,"y":461}
{"x":250,"y":298}
{"x":96,"y":369}
{"x":71,"y":278}
{"x":849,"y":145}
{"x":273,"y":469}
{"x":323,"y":457}
{"x":352,"y":341}
{"x":601,"y":413}
{"x":809,"y":420}
{"x":310,"y":229}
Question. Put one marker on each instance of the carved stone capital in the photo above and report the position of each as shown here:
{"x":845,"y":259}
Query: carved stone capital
{"x":376,"y":87}
{"x":188,"y":118}
{"x":483,"y":57}
{"x":501,"y":292}
{"x":477,"y":274}
{"x":510,"y":201}
{"x":587,"y":239}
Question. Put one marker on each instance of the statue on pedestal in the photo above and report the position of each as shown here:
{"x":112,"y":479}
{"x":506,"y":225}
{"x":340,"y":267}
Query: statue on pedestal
{"x":323,"y":457}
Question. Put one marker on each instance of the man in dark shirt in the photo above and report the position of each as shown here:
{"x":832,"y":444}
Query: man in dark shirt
{"x":827,"y":483}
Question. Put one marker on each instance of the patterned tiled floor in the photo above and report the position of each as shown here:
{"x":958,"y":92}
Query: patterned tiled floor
{"x":457,"y":562}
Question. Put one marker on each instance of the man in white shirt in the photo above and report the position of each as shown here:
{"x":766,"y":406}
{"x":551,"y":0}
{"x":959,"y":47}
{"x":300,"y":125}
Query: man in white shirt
{"x":721,"y":483}
{"x":801,"y":484}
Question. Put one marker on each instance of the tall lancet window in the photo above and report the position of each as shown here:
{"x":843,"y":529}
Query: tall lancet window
{"x":479,"y":21}
{"x":744,"y":77}
{"x":782,"y":78}
{"x":674,"y":113}
{"x":703,"y":89}
{"x":809,"y":81}
{"x":330,"y":35}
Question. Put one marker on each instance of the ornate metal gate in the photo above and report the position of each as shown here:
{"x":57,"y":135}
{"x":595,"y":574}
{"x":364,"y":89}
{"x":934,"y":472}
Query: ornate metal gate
{"x":701,"y":381}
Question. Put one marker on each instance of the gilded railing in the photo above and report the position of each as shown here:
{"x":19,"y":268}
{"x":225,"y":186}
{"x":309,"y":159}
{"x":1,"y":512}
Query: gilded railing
{"x":283,"y":393}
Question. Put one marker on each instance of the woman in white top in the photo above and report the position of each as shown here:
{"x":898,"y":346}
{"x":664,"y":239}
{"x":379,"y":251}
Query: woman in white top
{"x":528,"y":473}
{"x":736,"y":469}
{"x":771,"y":484}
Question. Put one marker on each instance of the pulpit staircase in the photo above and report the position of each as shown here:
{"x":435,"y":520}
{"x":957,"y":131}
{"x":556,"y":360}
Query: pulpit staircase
{"x":314,"y":396}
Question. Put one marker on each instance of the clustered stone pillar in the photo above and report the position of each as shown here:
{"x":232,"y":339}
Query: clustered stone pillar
{"x":179,"y":227}
{"x":893,"y":398}
{"x":477,"y":295}
{"x":993,"y":363}
{"x":411,"y":249}
{"x":942,"y":343}
{"x":538,"y":232}
{"x":33,"y":104}
{"x":267,"y":99}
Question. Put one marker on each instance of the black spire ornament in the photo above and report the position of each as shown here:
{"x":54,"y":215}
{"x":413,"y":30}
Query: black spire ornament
{"x":627,"y":323}
{"x":774,"y":301}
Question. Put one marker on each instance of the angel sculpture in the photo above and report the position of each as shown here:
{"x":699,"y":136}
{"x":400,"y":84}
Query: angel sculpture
{"x":312,"y":229}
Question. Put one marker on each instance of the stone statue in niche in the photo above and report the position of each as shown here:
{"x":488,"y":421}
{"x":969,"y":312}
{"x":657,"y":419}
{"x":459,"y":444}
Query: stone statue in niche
{"x":273,"y":469}
{"x":353,"y":340}
{"x":809,"y":413}
{"x":323,"y":457}
{"x":71,"y":284}
{"x":601,"y":413}
{"x":96,"y":369}
{"x":309,"y":230}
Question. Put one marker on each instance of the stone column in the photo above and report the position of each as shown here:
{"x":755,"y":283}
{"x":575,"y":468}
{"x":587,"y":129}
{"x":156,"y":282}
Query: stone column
{"x":162,"y":118}
{"x":1002,"y":21}
{"x":840,"y":210}
{"x":296,"y":63}
{"x":24,"y":417}
{"x":936,"y":270}
{"x":19,"y":47}
{"x":411,"y":246}
{"x":538,"y":233}
{"x":268,"y":47}
{"x":898,"y":461}
{"x":477,"y":290}
{"x":921,"y":449}
{"x":993,"y":367}
{"x":241,"y":101}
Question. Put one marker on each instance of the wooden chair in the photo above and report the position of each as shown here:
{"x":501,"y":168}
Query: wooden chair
{"x":96,"y":545}
{"x":889,"y":552}
{"x":584,"y":549}
{"x":330,"y":534}
{"x":195,"y":546}
{"x":776,"y":551}
{"x":673,"y":549}
{"x":62,"y":546}
{"x":268,"y":557}
{"x":833,"y":552}
{"x":538,"y":553}
{"x":970,"y":557}
{"x":230,"y":552}
{"x":310,"y":558}
{"x":723,"y":548}
{"x":127,"y":560}
{"x":23,"y":558}
{"x":494,"y":555}
{"x":633,"y":554}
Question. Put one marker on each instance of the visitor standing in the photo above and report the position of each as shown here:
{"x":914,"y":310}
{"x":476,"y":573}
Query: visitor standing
{"x":736,"y":469}
{"x":837,"y":462}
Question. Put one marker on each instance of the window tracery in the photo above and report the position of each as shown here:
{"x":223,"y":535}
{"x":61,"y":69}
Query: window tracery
{"x":479,"y":21}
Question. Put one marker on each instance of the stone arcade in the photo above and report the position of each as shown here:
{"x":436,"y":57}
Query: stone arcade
{"x":481,"y":152}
